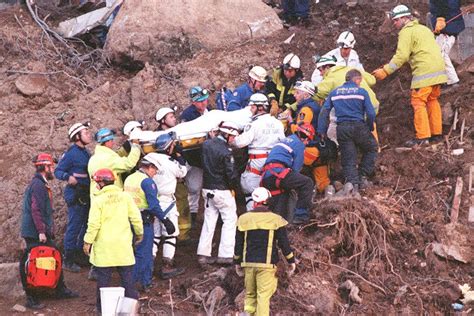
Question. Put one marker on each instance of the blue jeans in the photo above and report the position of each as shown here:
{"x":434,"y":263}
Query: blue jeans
{"x":295,"y":8}
{"x":104,"y":274}
{"x":143,"y":269}
{"x":76,"y":227}
{"x":354,"y":137}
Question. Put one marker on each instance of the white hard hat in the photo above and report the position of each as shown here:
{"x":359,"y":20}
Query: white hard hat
{"x":130,"y":126}
{"x":346,"y":40}
{"x":260,"y":195}
{"x":161,"y":113}
{"x":399,"y":11}
{"x":76,"y":128}
{"x":229,"y":128}
{"x":152,"y":158}
{"x":258,"y":73}
{"x":326,"y":60}
{"x":259,"y":99}
{"x":292,"y":61}
{"x":305,"y":86}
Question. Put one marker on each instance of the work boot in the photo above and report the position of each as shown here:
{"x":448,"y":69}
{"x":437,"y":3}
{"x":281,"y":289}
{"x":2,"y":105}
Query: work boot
{"x":364,"y":183}
{"x":436,"y":138}
{"x":168,"y":270}
{"x":205,"y":260}
{"x":300,"y":216}
{"x":92,"y":274}
{"x":71,"y":267}
{"x":329,"y":191}
{"x":33,"y":303}
{"x":144,"y":288}
{"x":225,"y":261}
{"x":66,"y":293}
{"x":417,"y":142}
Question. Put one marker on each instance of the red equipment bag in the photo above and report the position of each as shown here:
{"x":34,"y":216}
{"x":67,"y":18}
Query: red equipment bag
{"x":43,"y":267}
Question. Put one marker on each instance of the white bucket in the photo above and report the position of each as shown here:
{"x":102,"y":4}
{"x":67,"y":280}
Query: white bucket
{"x":109,"y":297}
{"x":127,"y":306}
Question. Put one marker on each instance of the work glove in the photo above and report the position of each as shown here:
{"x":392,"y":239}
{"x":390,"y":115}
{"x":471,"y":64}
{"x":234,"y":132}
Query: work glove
{"x":291,"y":269}
{"x":238,"y":270}
{"x":170,"y":229}
{"x":138,"y":239}
{"x":42,"y":238}
{"x":440,"y":25}
{"x":274,"y":108}
{"x":380,"y":74}
{"x":87,"y":248}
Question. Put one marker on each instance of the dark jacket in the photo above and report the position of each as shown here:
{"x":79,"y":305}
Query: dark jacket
{"x":447,"y":9}
{"x":281,"y":88}
{"x":190,"y":114}
{"x":37,"y":217}
{"x":257,"y":233}
{"x":218,"y":165}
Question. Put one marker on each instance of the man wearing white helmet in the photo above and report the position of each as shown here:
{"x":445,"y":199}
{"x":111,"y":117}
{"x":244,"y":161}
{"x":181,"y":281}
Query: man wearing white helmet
{"x":220,"y":179}
{"x":241,"y":95}
{"x":417,"y":46}
{"x":73,"y":168}
{"x":344,"y":53}
{"x":166,"y":118}
{"x":260,"y":136}
{"x":280,"y":88}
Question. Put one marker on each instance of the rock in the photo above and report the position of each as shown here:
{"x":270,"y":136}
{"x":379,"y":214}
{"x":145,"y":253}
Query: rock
{"x":10,"y":285}
{"x":239,"y":300}
{"x":214,"y":299}
{"x":19,"y":308}
{"x":160,"y":31}
{"x":31,"y":85}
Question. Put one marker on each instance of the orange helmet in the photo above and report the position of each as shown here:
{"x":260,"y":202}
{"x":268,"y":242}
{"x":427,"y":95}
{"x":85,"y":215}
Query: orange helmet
{"x":305,"y":130}
{"x":44,"y":159}
{"x":103,"y":175}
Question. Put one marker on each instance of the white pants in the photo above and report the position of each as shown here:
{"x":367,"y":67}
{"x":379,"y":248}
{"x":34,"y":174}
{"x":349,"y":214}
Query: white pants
{"x":249,"y":182}
{"x":162,"y":237}
{"x":446,"y":42}
{"x":222,"y":203}
{"x":194,"y":185}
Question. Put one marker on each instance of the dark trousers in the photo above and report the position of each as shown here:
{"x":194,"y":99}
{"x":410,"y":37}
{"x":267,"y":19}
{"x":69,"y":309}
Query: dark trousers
{"x":143,"y":268}
{"x":293,"y":181}
{"x":295,"y":8}
{"x":30,"y":243}
{"x":104,"y":274}
{"x":354,"y":137}
{"x":76,"y":228}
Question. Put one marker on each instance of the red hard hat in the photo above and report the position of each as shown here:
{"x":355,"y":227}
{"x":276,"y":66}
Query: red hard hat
{"x":105,"y":175}
{"x":307,"y":129}
{"x":44,"y":159}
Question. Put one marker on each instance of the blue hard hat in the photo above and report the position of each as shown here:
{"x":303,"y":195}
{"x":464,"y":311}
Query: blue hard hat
{"x":104,"y":134}
{"x":198,"y":94}
{"x":164,"y":141}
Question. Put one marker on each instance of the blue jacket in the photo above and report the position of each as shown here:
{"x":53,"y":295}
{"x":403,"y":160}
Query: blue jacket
{"x":240,"y":97}
{"x":447,"y":9}
{"x":190,"y":113}
{"x":290,"y":152}
{"x":151,"y":194}
{"x":37,"y":216}
{"x":351,"y":103}
{"x":73,"y":163}
{"x":314,"y":107}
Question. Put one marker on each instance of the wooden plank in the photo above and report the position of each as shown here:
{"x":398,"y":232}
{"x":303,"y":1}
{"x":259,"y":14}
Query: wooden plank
{"x":471,"y":177}
{"x":456,"y":200}
{"x":471,"y":211}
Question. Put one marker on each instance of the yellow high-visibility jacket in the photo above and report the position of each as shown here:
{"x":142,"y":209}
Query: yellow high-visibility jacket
{"x":105,"y":157}
{"x":336,"y":76}
{"x":417,"y":46}
{"x":108,"y":229}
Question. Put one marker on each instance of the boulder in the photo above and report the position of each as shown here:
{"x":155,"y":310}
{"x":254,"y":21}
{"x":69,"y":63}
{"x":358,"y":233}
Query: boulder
{"x":10,"y":285}
{"x":160,"y":31}
{"x":32,"y":85}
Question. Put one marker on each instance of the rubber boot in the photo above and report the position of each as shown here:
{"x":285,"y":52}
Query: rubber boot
{"x":33,"y":303}
{"x":168,"y":270}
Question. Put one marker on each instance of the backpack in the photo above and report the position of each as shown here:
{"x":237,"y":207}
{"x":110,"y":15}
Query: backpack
{"x":43,"y":267}
{"x":327,"y":151}
{"x":222,"y":97}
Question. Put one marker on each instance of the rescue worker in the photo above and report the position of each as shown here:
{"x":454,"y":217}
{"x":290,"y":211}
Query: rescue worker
{"x":166,"y":119}
{"x":281,"y":175}
{"x":241,"y":95}
{"x":344,"y":53}
{"x":112,"y":216}
{"x":308,"y":112}
{"x":259,"y":235}
{"x":417,"y":46}
{"x":220,"y":179}
{"x":199,"y":98}
{"x":279,"y":87}
{"x":295,"y":11}
{"x":355,"y":116}
{"x":142,"y":189}
{"x":73,"y":168}
{"x":37,"y":225}
{"x":333,"y":77}
{"x":260,"y":136}
{"x":169,"y":171}
{"x":443,"y":11}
